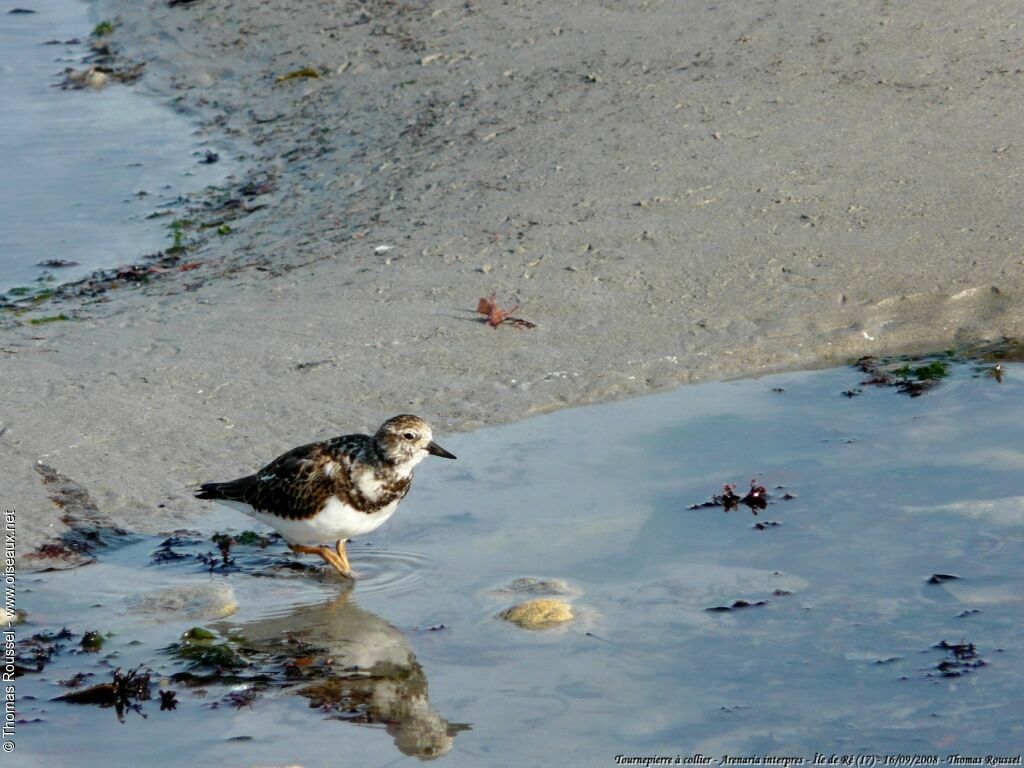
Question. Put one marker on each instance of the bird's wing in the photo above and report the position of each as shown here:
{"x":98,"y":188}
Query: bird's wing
{"x":294,"y":485}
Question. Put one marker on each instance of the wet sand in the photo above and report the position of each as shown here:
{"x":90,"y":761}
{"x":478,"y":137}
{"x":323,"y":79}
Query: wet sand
{"x":672,"y":192}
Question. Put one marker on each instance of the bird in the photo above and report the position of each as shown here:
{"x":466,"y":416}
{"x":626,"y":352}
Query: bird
{"x":318,"y":496}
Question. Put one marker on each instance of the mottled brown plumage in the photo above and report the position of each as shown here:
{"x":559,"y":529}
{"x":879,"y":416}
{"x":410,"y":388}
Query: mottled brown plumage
{"x":297,"y":484}
{"x":338,"y":488}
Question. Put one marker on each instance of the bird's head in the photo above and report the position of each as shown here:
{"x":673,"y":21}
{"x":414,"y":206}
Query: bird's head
{"x":407,"y":439}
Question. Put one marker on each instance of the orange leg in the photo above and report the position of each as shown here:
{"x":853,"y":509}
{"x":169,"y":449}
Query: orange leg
{"x":340,"y":550}
{"x":339,"y":563}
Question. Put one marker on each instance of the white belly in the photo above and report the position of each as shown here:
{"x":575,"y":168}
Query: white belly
{"x":335,"y":521}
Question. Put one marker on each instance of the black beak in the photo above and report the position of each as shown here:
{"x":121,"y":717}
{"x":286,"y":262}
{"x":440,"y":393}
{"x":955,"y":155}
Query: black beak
{"x":437,"y":450}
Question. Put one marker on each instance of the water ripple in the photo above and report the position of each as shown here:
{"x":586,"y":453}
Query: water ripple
{"x":392,"y":571}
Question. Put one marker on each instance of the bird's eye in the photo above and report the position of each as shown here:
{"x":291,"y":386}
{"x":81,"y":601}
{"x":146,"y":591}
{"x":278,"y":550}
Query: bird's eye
{"x":409,"y":436}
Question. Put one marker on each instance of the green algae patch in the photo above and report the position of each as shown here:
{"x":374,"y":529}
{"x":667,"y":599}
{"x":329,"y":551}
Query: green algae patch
{"x":937,"y":369}
{"x":198,"y":633}
{"x":92,"y":641}
{"x":200,"y":648}
{"x":49,"y":319}
{"x":298,"y":74}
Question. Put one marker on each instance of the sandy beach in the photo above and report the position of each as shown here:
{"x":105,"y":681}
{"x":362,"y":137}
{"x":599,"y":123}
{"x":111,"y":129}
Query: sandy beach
{"x":672,"y":191}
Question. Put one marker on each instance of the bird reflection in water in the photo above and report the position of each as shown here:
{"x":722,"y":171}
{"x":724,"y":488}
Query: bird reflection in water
{"x":359,"y":668}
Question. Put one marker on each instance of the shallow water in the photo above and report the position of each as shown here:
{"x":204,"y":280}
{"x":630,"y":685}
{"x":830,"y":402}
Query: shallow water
{"x":83,"y":169}
{"x":888,"y":490}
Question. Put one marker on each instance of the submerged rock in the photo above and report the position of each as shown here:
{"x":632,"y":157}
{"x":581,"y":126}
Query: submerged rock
{"x":13,"y":619}
{"x":533,"y":586}
{"x":203,"y":601}
{"x":90,"y":77}
{"x":542,"y":613}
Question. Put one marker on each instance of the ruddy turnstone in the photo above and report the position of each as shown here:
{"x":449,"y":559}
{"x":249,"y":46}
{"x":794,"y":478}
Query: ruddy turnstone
{"x":333,"y":490}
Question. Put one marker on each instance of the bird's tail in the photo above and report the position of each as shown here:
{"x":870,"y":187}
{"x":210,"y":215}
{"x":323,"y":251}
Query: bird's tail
{"x":232,"y":490}
{"x":210,"y":491}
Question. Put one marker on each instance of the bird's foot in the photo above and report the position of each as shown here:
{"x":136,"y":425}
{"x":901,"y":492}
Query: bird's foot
{"x":331,"y":556}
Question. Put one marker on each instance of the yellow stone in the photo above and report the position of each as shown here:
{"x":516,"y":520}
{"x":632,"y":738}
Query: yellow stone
{"x":543,"y":613}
